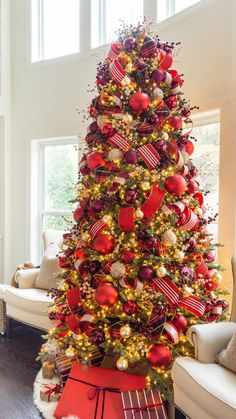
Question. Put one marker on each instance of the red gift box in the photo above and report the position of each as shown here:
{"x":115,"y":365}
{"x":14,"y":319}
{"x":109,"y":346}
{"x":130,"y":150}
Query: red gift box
{"x":96,"y":393}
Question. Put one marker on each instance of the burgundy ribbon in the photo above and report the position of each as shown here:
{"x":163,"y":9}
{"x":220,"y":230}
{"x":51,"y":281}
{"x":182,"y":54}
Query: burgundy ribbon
{"x":94,"y":393}
{"x":144,"y":408}
{"x":49,"y":390}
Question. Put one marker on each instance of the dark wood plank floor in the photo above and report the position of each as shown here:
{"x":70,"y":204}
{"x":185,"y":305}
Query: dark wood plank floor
{"x":18,"y":369}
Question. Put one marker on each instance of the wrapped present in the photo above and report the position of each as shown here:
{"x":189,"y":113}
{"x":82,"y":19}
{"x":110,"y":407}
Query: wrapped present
{"x":110,"y":359}
{"x":143,"y":404}
{"x":96,"y":393}
{"x":48,"y":369}
{"x":50,"y":393}
{"x":64,"y":364}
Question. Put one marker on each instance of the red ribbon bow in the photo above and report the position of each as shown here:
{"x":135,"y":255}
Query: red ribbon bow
{"x":144,"y":408}
{"x":49,"y":390}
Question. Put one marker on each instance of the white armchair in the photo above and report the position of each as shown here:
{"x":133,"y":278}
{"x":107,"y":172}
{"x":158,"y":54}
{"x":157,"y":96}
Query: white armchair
{"x":26,"y":303}
{"x":202,"y":388}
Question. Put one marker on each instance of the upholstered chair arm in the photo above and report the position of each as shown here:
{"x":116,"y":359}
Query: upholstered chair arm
{"x":25,"y":278}
{"x":210,"y":339}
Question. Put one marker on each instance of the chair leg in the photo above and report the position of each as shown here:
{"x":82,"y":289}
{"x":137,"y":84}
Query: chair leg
{"x":8,"y":327}
{"x":179,"y":414}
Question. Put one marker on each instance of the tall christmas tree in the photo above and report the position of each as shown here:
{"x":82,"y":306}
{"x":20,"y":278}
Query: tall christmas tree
{"x":138,"y":265}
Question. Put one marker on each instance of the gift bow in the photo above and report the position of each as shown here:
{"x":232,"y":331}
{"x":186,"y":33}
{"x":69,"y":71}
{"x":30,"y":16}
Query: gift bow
{"x":49,"y":390}
{"x":94,"y":392}
{"x":145,"y":408}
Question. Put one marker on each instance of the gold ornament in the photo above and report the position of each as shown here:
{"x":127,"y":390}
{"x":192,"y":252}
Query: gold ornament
{"x":169,"y":238}
{"x":129,"y":67}
{"x":145,"y":185}
{"x":161,"y":271}
{"x":117,"y":270}
{"x":70,"y":352}
{"x":107,"y":219}
{"x":217,"y":277}
{"x":125,"y":81}
{"x":165,"y":136}
{"x":179,"y":255}
{"x":115,"y":155}
{"x":125,"y":331}
{"x":85,"y":236}
{"x":139,"y":214}
{"x":128,"y":119}
{"x":187,"y":291}
{"x":122,"y":364}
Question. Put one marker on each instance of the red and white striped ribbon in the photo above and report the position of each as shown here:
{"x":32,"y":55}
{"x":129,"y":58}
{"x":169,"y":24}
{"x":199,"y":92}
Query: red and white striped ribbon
{"x":191,"y":222}
{"x":171,"y":331}
{"x":97,"y":228}
{"x":113,"y":51}
{"x":193,"y":304}
{"x":120,"y":142}
{"x":179,"y":160}
{"x":116,"y":71}
{"x":153,"y":202}
{"x":201,"y":268}
{"x":166,"y":287}
{"x":126,"y":219}
{"x":149,"y":154}
{"x":178,"y":207}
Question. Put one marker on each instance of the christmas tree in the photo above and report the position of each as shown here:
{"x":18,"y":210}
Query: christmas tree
{"x":139,"y":264}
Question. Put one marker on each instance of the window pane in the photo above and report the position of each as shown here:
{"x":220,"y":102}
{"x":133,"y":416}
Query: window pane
{"x":162,"y":10}
{"x":183,"y":4}
{"x":206,"y":158}
{"x":60,"y":176}
{"x":130,"y":12}
{"x":57,"y":222}
{"x":60,"y":27}
{"x":95,"y":23}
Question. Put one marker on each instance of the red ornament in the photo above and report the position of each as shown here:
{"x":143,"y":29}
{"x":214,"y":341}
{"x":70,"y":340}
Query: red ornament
{"x":146,"y":273}
{"x":193,"y":186}
{"x":159,"y":356}
{"x":176,"y":185}
{"x":95,"y":159}
{"x":104,"y":243}
{"x":127,"y":256}
{"x":106,"y":295}
{"x":180,"y":323}
{"x":78,"y":212}
{"x":189,"y":147}
{"x":166,"y":61}
{"x":175,"y":122}
{"x":171,"y":101}
{"x":80,"y":254}
{"x":130,"y":307}
{"x":209,"y":256}
{"x":139,"y":102}
{"x":63,"y":261}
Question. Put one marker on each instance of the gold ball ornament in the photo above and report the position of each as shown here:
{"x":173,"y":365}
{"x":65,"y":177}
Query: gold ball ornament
{"x":85,"y":236}
{"x":125,"y":331}
{"x":125,"y":81}
{"x":187,"y":291}
{"x":122,"y":364}
{"x":139,"y":214}
{"x":161,"y":271}
{"x":165,"y":136}
{"x":145,"y":185}
{"x":117,"y":270}
{"x":179,"y":255}
{"x":70,"y":352}
{"x":115,"y":155}
{"x":127,"y":119}
{"x":169,"y":238}
{"x":107,"y":219}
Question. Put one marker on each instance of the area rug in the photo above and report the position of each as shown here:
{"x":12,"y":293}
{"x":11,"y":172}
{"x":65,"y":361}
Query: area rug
{"x":46,"y":408}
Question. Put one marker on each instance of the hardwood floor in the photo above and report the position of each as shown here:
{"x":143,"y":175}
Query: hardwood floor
{"x":18,"y":369}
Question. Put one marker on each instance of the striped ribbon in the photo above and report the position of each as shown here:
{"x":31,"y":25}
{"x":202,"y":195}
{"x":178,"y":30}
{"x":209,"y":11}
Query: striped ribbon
{"x":201,"y":268}
{"x":149,"y":154}
{"x":114,"y":51}
{"x":193,"y":304}
{"x":153,"y":203}
{"x":172,"y":331}
{"x":97,"y":228}
{"x":191,"y":221}
{"x":126,"y":219}
{"x":120,"y":142}
{"x":116,"y":71}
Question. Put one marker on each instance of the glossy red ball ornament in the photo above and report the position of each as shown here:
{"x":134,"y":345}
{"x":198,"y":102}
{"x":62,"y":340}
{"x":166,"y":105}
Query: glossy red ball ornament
{"x":139,"y":102}
{"x":189,"y":147}
{"x":166,"y":61}
{"x":127,"y":256}
{"x":176,"y":185}
{"x":146,"y":273}
{"x":62,"y":261}
{"x":106,"y":295}
{"x":159,"y":356}
{"x":209,"y":256}
{"x":131,"y":157}
{"x":180,"y":323}
{"x":95,"y":159}
{"x":78,"y":212}
{"x":193,"y":186}
{"x":104,"y":244}
{"x":171,"y":101}
{"x":175,"y":122}
{"x":130,"y":307}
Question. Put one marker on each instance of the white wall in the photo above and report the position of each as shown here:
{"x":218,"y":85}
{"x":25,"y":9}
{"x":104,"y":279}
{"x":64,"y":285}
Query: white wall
{"x":45,"y":98}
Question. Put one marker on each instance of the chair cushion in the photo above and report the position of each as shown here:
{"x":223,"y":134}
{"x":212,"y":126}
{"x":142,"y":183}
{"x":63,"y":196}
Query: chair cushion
{"x":31,"y":299}
{"x":209,"y":385}
{"x":227,"y":357}
{"x":49,"y":269}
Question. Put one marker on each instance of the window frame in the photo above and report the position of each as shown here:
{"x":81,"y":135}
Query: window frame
{"x":37,"y":211}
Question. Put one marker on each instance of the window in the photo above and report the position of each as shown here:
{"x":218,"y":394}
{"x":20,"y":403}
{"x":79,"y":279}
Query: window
{"x":167,"y":8}
{"x":206,"y":159}
{"x":107,"y":15}
{"x":54,"y":176}
{"x":54,"y":28}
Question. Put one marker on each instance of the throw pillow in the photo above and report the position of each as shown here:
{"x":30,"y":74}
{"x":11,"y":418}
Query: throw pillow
{"x":49,"y":269}
{"x":227,"y":357}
